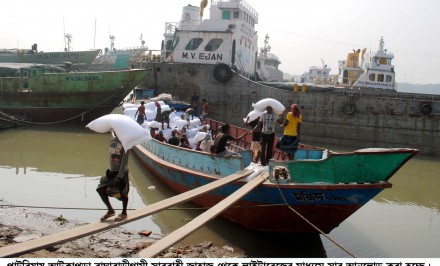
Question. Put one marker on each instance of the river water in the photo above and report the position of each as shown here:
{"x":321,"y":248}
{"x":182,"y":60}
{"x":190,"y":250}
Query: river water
{"x":60,"y":166}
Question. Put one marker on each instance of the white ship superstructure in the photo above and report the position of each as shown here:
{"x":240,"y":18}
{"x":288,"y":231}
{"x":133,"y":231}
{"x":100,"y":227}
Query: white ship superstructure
{"x":267,"y":64}
{"x":228,"y":36}
{"x":374,"y":71}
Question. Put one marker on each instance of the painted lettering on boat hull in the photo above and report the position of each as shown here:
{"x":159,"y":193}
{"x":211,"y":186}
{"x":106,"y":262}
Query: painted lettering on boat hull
{"x":202,"y":56}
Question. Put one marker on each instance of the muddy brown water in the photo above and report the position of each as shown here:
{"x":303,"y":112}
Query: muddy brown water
{"x":60,"y":166}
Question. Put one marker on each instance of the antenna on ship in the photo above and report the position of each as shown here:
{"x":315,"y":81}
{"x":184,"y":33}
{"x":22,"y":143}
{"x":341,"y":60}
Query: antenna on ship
{"x":266,"y":47}
{"x":67,"y":41}
{"x":142,"y":42}
{"x":112,"y":42}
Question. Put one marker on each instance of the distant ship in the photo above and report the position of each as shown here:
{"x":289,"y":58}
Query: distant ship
{"x":217,"y":58}
{"x":319,"y":75}
{"x":267,"y":64}
{"x":118,"y":59}
{"x":71,"y":60}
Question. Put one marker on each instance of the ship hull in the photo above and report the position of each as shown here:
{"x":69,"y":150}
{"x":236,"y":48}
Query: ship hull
{"x":62,"y":97}
{"x":337,"y":116}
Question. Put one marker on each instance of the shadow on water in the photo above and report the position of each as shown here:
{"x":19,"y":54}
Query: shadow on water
{"x":220,"y":231}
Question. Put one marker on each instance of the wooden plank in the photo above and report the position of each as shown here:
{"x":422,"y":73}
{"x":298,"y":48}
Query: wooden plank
{"x":90,"y":229}
{"x":200,"y":220}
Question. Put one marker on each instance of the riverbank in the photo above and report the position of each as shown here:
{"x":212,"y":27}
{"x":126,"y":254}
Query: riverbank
{"x":20,"y":225}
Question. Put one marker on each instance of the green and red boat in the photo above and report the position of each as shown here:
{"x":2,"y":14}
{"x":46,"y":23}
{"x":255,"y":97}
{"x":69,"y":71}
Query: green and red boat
{"x":48,"y":94}
{"x":323,"y":186}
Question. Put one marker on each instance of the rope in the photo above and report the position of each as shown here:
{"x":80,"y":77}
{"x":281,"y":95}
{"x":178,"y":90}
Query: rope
{"x":68,"y":119}
{"x":11,"y":119}
{"x":310,"y":223}
{"x":102,"y":209}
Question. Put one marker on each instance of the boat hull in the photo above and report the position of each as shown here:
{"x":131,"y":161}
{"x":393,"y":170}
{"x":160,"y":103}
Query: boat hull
{"x":326,"y":206}
{"x":337,"y":116}
{"x":61,"y":97}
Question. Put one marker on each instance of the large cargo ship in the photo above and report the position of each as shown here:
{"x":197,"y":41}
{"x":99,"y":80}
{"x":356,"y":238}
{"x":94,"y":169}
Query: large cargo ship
{"x":217,"y":59}
{"x":47,"y":94}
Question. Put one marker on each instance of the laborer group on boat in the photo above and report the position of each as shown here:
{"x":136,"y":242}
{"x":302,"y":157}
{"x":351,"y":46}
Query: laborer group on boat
{"x":193,"y":133}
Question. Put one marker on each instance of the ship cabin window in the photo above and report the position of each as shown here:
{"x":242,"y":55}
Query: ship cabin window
{"x":389,"y":78}
{"x":372,"y":77}
{"x":193,"y":44}
{"x":213,"y":44}
{"x":380,"y":77}
{"x":236,"y":14}
{"x":226,"y":15}
{"x":175,"y":42}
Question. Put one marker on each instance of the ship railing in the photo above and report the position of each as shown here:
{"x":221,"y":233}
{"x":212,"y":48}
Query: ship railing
{"x":375,"y":53}
{"x":242,"y":2}
{"x":170,"y":27}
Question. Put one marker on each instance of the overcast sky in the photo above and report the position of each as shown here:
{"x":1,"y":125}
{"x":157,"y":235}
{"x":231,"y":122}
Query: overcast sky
{"x":301,"y":32}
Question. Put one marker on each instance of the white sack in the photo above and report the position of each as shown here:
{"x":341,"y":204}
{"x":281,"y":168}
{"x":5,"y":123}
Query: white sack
{"x":261,"y":105}
{"x":254,"y":114}
{"x":128,"y":131}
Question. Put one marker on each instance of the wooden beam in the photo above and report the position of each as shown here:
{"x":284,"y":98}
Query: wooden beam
{"x":203,"y":218}
{"x":90,"y":229}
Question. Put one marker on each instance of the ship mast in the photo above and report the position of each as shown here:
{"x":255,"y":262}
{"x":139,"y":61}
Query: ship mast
{"x":67,"y":42}
{"x":266,"y":47}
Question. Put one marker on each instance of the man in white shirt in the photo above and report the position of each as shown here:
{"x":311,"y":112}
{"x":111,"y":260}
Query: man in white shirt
{"x":267,"y":125}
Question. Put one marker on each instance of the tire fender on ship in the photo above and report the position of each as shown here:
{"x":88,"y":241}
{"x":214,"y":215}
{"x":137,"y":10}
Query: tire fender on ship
{"x":426,"y":109}
{"x":349,"y":108}
{"x":222,"y":73}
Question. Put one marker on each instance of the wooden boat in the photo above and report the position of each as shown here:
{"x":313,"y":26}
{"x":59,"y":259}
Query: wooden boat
{"x":325,"y":187}
{"x":44,"y":93}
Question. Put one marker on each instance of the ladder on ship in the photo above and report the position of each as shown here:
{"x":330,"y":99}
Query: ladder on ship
{"x":93,"y":228}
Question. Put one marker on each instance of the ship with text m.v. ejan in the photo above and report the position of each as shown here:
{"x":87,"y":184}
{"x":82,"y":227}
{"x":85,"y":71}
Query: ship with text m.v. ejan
{"x":217,"y":56}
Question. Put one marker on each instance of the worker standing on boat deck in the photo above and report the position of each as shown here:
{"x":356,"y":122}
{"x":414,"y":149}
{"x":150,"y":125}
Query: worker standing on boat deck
{"x":256,"y":137}
{"x":292,"y":131}
{"x":267,"y":126}
{"x":195,"y":101}
{"x":158,"y":112}
{"x":189,"y":112}
{"x":141,"y":116}
{"x":166,"y":118}
{"x":220,"y":148}
{"x":205,"y":110}
{"x":115,"y":181}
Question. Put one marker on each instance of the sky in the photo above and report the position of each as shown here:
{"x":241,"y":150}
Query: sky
{"x":301,"y":32}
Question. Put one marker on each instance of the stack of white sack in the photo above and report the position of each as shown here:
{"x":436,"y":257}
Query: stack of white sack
{"x":152,"y":124}
{"x":194,"y":123}
{"x":191,"y":133}
{"x":199,"y":136}
{"x":254,"y":114}
{"x":164,"y":108}
{"x":126,"y":129}
{"x":261,"y":105}
{"x":173,"y":117}
{"x":180,"y":123}
{"x":130,"y":111}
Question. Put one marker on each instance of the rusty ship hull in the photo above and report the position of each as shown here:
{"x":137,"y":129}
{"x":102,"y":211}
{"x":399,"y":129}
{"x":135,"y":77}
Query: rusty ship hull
{"x":331,"y":115}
